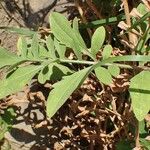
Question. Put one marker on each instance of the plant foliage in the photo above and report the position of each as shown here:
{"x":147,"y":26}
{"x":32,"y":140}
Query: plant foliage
{"x":48,"y":60}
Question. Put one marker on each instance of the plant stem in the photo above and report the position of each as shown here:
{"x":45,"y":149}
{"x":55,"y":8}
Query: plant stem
{"x":77,"y":61}
{"x":103,"y":64}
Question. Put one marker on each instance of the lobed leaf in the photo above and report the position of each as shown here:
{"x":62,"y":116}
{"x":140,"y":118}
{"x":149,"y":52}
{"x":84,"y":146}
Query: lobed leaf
{"x":35,"y":46}
{"x":43,"y":52}
{"x":44,"y":75}
{"x":75,"y":25}
{"x":6,"y":121}
{"x":63,"y":89}
{"x":21,"y":31}
{"x":140,"y":94}
{"x":103,"y":75}
{"x":114,"y":70}
{"x":142,"y":9}
{"x":7,"y":58}
{"x":98,"y":39}
{"x":50,"y":46}
{"x":62,"y":30}
{"x":17,"y":80}
{"x":22,"y":47}
{"x":61,"y":49}
{"x":107,"y":51}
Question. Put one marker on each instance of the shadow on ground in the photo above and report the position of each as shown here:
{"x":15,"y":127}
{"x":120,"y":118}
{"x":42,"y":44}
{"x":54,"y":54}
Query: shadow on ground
{"x":34,"y":13}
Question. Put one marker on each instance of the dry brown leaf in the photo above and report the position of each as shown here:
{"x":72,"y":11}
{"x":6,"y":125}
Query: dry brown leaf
{"x":58,"y":146}
{"x":82,"y":108}
{"x":87,"y":98}
{"x":67,"y":130}
{"x":120,"y":84}
{"x":84,"y":133}
{"x":83,"y":113}
{"x":41,"y":124}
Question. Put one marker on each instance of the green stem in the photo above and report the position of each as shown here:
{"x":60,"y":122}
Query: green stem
{"x":106,"y":62}
{"x":77,"y":61}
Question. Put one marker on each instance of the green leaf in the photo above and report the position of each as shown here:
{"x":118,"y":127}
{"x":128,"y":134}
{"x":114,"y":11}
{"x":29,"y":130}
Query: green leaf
{"x":145,"y":143}
{"x":103,"y":75}
{"x":75,"y":25}
{"x":141,"y":46}
{"x":67,"y":86}
{"x":50,"y":46}
{"x":17,"y":80}
{"x":140,"y":94}
{"x":44,"y":75}
{"x":58,"y":71}
{"x":22,"y":47}
{"x":63,"y":68}
{"x":62,"y":30}
{"x":101,"y":22}
{"x":7,"y":58}
{"x":114,"y":70}
{"x":98,"y":39}
{"x":21,"y":31}
{"x":142,"y":129}
{"x":6,"y":121}
{"x":128,"y":58}
{"x":35,"y":46}
{"x":107,"y":51}
{"x":138,"y":22}
{"x":53,"y":72}
{"x":43,"y":53}
{"x":142,"y":9}
{"x":61,"y":49}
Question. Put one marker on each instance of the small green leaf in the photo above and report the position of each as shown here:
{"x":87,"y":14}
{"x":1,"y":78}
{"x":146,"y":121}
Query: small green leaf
{"x":50,"y":46}
{"x":6,"y":121}
{"x":58,"y":71}
{"x":142,"y":9}
{"x":75,"y":25}
{"x":63,"y":68}
{"x":128,"y":58}
{"x":43,"y":53}
{"x":62,"y":30}
{"x":98,"y":39}
{"x":17,"y":80}
{"x":7,"y":58}
{"x":141,"y":46}
{"x":35,"y":46}
{"x":107,"y":51}
{"x":21,"y":31}
{"x":43,"y":75}
{"x":61,"y":49}
{"x":103,"y":75}
{"x":22,"y":47}
{"x":140,"y":94}
{"x":67,"y":86}
{"x":145,"y":143}
{"x":114,"y":70}
{"x":142,"y":129}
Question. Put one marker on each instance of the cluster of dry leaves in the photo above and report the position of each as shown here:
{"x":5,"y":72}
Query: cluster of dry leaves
{"x":95,"y":116}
